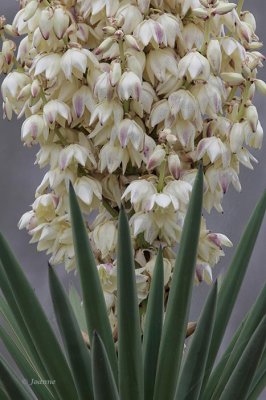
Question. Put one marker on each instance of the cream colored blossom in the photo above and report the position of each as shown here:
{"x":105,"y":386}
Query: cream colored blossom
{"x":125,"y":99}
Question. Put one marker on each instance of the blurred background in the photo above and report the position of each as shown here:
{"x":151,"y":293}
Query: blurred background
{"x":19,"y":179}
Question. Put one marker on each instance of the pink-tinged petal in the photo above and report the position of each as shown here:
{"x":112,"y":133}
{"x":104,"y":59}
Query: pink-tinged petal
{"x":79,"y":106}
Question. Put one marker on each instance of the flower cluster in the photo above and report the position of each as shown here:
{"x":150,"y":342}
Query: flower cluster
{"x":125,"y":99}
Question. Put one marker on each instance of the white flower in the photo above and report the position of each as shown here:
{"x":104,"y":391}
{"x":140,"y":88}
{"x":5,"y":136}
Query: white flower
{"x":105,"y":238}
{"x":215,"y":149}
{"x":88,"y":190}
{"x":129,"y":86}
{"x":75,"y":62}
{"x":128,"y":130}
{"x":56,"y":111}
{"x":150,"y":31}
{"x":32,"y":128}
{"x":194,"y":66}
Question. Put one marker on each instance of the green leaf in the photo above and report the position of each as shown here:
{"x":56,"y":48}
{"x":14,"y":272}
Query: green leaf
{"x":131,"y":385}
{"x":20,"y":328}
{"x":176,"y":318}
{"x":233,"y":279}
{"x":218,"y":370}
{"x":78,"y":353}
{"x":153,"y":326}
{"x":104,"y":385}
{"x":255,"y":316}
{"x":42,"y":391}
{"x":3,"y":393}
{"x":93,"y":298}
{"x":13,"y":387}
{"x":259,"y":380}
{"x":242,"y":376}
{"x":78,"y":309}
{"x":192,"y":373}
{"x":37,"y":324}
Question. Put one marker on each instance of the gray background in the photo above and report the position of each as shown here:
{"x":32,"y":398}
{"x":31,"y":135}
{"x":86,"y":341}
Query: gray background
{"x":19,"y":179}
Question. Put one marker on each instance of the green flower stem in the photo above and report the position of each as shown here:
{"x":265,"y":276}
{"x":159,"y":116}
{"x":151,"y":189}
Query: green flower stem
{"x":123,"y":67}
{"x":240,"y":6}
{"x":109,"y":208}
{"x":61,"y":137}
{"x":161,"y":176}
{"x":245,"y":96}
{"x":232,"y":94}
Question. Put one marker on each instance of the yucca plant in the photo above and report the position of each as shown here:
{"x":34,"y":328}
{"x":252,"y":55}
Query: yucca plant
{"x":154,"y":365}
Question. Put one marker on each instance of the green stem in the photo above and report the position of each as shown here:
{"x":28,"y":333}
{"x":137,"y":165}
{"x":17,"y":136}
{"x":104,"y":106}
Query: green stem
{"x":123,"y":67}
{"x":245,"y":97}
{"x":240,"y":6}
{"x":109,"y":208}
{"x":232,"y":94}
{"x":160,"y":185}
{"x":61,"y":137}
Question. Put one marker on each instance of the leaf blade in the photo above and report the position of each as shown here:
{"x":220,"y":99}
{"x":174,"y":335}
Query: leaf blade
{"x":176,"y":317}
{"x":131,"y":385}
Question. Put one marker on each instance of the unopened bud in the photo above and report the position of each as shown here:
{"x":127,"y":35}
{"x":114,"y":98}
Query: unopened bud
{"x":105,"y":45}
{"x":131,"y":42}
{"x":252,"y":117}
{"x":60,"y":22}
{"x":30,"y":10}
{"x":156,"y":158}
{"x":261,"y":86}
{"x":233,"y":78}
{"x":109,"y":30}
{"x":200,"y":13}
{"x":116,"y":73}
{"x":8,"y":49}
{"x":35,"y":88}
{"x":224,"y":8}
{"x":174,"y":165}
{"x":46,"y":22}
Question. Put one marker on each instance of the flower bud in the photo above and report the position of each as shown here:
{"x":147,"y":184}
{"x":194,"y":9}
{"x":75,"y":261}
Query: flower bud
{"x":252,"y":117}
{"x":200,"y":13}
{"x":236,"y":137}
{"x":104,"y":46}
{"x":156,"y":158}
{"x":131,"y":42}
{"x":60,"y":22}
{"x":30,"y":10}
{"x":174,"y":165}
{"x":109,"y":30}
{"x":8,"y":49}
{"x":35,"y":88}
{"x":214,"y":55}
{"x":46,"y":22}
{"x":224,"y":8}
{"x":261,"y":86}
{"x":115,"y":73}
{"x":232,"y":78}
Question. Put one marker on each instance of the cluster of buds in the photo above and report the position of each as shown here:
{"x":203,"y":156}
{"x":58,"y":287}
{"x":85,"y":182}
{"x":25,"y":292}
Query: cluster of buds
{"x":125,"y":99}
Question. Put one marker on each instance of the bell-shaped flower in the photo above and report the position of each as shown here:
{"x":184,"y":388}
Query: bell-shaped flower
{"x":82,"y":99}
{"x":214,"y":148}
{"x":185,"y":131}
{"x":103,"y":89}
{"x":49,"y":64}
{"x":131,"y":17}
{"x":45,"y":206}
{"x":193,"y":36}
{"x":237,"y":136}
{"x":105,"y":238}
{"x":150,"y":31}
{"x":159,"y":63}
{"x":172,"y":26}
{"x":129,"y":86}
{"x":194,"y":66}
{"x":184,"y":102}
{"x":88,"y":190}
{"x":179,"y":193}
{"x":13,"y":84}
{"x":167,"y":267}
{"x":56,"y":111}
{"x":75,"y":62}
{"x":33,"y":128}
{"x":107,"y":110}
{"x":111,"y":157}
{"x":128,"y":131}
{"x":139,"y":193}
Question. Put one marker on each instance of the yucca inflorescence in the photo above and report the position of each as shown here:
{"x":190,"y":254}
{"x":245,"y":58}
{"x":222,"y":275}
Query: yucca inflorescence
{"x":125,"y":99}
